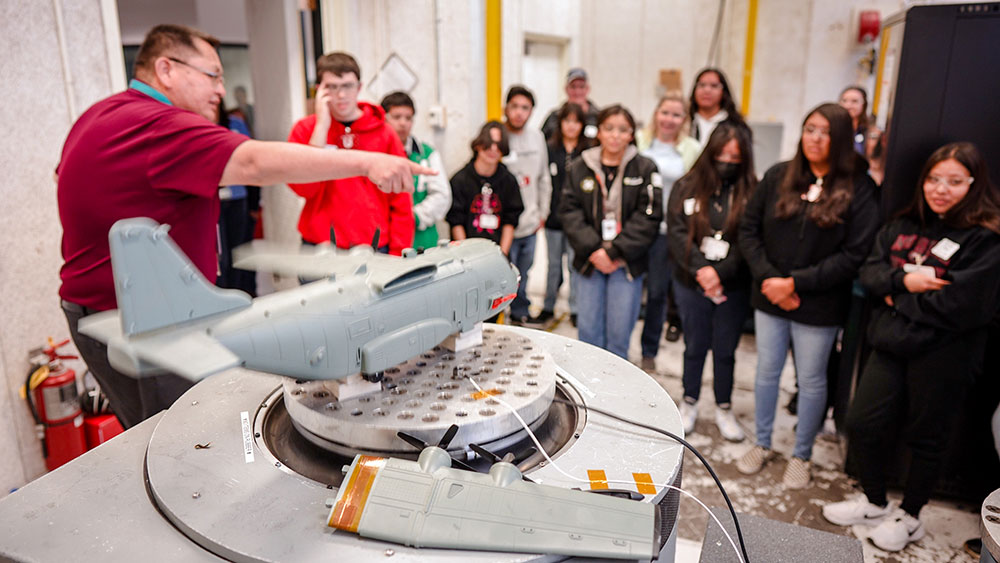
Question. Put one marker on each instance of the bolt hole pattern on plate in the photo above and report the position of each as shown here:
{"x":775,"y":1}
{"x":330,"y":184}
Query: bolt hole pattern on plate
{"x":432,"y":391}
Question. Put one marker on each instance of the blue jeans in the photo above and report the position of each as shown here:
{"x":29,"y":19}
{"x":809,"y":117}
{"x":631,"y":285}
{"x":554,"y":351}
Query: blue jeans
{"x":557,"y":245}
{"x":522,"y":255}
{"x":607,"y":309}
{"x":707,"y":325}
{"x":812,"y":351}
{"x":659,"y":278}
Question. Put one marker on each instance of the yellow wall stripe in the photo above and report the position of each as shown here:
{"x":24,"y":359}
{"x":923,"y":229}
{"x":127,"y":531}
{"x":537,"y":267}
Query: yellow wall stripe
{"x":748,"y":57}
{"x":493,"y":59}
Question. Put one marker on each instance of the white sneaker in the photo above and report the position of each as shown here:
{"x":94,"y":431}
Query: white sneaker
{"x":689,"y":414}
{"x":728,"y":427}
{"x":857,"y":511}
{"x":896,"y":531}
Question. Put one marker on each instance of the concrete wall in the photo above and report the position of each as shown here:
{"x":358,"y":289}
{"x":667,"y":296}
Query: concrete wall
{"x":55,"y":65}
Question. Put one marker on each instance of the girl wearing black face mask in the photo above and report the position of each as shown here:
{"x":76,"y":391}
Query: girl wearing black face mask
{"x":712,"y":281}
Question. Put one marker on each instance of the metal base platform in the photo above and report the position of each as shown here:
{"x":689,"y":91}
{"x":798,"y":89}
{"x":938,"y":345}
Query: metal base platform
{"x":200,"y":482}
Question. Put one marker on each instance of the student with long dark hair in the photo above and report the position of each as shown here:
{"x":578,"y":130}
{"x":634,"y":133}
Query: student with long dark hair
{"x":711,"y":103}
{"x":935,"y":271}
{"x":855,"y":100}
{"x":565,"y":144}
{"x":712,"y":281}
{"x":806,"y":230}
{"x":610,"y":210}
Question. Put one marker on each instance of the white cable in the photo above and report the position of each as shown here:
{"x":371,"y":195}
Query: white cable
{"x":541,"y":449}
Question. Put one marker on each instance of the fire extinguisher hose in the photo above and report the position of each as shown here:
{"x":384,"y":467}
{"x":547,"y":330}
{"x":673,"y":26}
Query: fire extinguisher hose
{"x":34,"y":379}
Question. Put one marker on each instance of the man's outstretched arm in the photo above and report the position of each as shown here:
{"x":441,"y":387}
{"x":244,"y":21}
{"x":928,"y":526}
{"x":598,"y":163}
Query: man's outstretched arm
{"x":262,"y":163}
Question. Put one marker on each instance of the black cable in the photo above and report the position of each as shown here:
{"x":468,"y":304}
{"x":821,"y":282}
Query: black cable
{"x":732,"y":511}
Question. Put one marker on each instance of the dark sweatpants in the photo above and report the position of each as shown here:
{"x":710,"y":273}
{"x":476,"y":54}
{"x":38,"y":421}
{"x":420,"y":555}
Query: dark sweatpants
{"x":917,"y":399}
{"x":132,"y":400}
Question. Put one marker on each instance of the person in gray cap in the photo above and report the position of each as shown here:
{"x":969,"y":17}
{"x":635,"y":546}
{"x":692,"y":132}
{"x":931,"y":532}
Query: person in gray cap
{"x":577,"y":89}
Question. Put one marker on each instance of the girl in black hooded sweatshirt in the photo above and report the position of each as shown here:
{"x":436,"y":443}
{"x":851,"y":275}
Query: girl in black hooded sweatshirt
{"x":935,"y":270}
{"x":807,"y":228}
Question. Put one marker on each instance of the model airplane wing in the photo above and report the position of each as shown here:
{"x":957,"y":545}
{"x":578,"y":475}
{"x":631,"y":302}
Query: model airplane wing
{"x":311,"y":262}
{"x":191,"y":354}
{"x":428,"y":503}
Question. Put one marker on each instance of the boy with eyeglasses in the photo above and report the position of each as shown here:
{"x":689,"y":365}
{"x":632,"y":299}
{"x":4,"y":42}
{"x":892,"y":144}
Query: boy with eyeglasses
{"x":353,"y":207}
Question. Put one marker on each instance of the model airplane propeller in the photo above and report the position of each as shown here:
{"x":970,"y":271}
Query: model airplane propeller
{"x":442,"y":445}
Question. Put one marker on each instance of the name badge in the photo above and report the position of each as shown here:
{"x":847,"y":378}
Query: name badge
{"x":609,"y":229}
{"x":632,"y":181}
{"x":691,"y":206}
{"x":714,"y":249}
{"x":925,"y":270}
{"x":945,"y":249}
{"x":590,"y":131}
{"x":813,"y":194}
{"x":553,"y":169}
{"x":489,"y":222}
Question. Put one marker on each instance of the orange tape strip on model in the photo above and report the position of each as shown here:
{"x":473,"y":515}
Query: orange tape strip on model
{"x":346,"y":515}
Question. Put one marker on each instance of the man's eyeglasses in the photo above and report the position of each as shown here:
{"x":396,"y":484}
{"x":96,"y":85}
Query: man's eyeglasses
{"x":215,"y":76}
{"x":346,"y":88}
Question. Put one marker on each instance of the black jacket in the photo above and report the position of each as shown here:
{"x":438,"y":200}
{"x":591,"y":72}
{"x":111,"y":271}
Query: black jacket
{"x":823,"y":262}
{"x":558,"y":162}
{"x":467,"y":200}
{"x":582,"y":210}
{"x":969,"y":304}
{"x":733,"y":270}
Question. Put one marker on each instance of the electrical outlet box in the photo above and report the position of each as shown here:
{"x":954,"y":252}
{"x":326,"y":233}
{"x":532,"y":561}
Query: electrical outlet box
{"x":438,"y":117}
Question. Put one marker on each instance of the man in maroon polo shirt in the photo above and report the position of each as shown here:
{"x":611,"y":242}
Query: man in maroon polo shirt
{"x":155,"y":151}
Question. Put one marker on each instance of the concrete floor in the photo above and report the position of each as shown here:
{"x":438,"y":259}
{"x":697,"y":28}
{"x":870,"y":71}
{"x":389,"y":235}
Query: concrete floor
{"x":948,"y":524}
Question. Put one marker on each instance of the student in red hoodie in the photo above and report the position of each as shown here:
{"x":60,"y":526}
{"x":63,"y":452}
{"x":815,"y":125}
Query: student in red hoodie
{"x":352,"y":207}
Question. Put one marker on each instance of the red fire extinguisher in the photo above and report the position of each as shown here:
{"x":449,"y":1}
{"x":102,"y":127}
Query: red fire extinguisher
{"x":54,"y":401}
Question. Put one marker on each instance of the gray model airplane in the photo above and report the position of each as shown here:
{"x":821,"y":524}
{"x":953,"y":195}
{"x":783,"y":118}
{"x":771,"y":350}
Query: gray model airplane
{"x":428,"y":503}
{"x":387,"y":310}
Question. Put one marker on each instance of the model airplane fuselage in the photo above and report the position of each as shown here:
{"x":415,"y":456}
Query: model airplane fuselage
{"x":387,"y":310}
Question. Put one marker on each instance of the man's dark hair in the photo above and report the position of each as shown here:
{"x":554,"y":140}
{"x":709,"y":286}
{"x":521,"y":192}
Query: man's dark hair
{"x":338,"y":64}
{"x":167,"y":39}
{"x":396,"y":99}
{"x":484,"y":139}
{"x":518,"y":90}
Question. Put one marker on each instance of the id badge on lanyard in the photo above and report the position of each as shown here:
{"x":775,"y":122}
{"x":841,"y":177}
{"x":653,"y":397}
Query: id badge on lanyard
{"x":714,"y":248}
{"x":609,"y":227}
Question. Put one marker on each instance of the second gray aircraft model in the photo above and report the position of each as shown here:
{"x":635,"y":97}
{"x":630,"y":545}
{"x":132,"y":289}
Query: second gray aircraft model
{"x":370,"y":313}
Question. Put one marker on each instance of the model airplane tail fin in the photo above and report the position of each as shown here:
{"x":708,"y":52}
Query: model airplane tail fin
{"x":156,"y":283}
